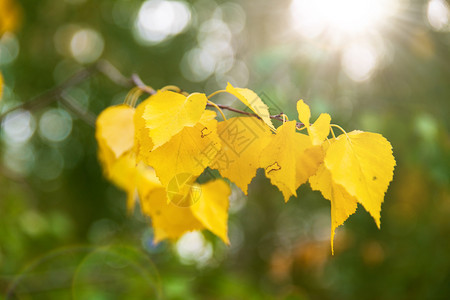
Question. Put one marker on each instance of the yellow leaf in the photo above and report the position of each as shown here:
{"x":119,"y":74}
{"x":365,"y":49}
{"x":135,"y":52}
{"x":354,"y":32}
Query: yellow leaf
{"x":182,"y":190}
{"x":115,"y":130}
{"x":252,"y":101}
{"x":142,"y":142}
{"x":317,"y":131}
{"x":342,"y":203}
{"x":212,"y":208}
{"x":304,"y":113}
{"x":10,"y":15}
{"x":320,"y":129}
{"x":290,"y":159}
{"x":168,"y":113}
{"x":114,"y":133}
{"x":362,"y":162}
{"x":242,"y":139}
{"x":169,"y":221}
{"x":122,"y":172}
{"x":190,"y":151}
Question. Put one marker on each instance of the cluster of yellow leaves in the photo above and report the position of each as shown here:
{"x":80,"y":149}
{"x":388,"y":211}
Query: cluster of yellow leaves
{"x":159,"y":149}
{"x":117,"y":144}
{"x":10,"y":16}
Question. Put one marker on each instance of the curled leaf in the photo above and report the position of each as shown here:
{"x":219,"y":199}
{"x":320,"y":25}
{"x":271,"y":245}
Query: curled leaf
{"x":252,"y":101}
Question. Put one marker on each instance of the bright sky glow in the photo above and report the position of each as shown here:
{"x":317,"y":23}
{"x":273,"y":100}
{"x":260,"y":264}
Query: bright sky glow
{"x":345,"y":17}
{"x":158,"y":20}
{"x":351,"y":27}
{"x":438,"y":14}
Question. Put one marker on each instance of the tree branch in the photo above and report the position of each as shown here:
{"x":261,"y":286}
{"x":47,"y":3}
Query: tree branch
{"x":58,"y":92}
{"x":106,"y":68}
{"x":273,"y":117}
{"x":137,"y":81}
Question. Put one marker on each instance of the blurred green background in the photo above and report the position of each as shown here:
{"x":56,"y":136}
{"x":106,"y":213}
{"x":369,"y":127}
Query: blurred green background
{"x":380,"y":66}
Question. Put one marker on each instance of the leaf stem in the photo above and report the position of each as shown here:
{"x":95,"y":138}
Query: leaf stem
{"x":217,"y":92}
{"x":340,"y":128}
{"x":332,"y":133}
{"x":172,"y":88}
{"x":218,"y":108}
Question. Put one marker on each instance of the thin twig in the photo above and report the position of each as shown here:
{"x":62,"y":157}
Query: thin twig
{"x":56,"y":93}
{"x":52,"y":95}
{"x":137,"y":81}
{"x":113,"y":74}
{"x":273,"y":117}
{"x":73,"y":106}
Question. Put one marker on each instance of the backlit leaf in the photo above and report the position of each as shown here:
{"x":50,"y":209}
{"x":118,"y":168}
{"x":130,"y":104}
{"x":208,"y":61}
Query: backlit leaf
{"x":342,"y":203}
{"x":362,"y":162}
{"x":317,"y":131}
{"x":290,"y":159}
{"x":190,"y":151}
{"x":168,"y":220}
{"x":243,"y":139}
{"x":115,"y":130}
{"x":252,"y":101}
{"x":212,"y":208}
{"x":168,"y":113}
{"x":143,"y":144}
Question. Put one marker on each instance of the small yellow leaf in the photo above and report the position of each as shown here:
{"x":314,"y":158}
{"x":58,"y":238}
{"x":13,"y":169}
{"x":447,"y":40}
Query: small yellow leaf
{"x":252,"y":101}
{"x":317,"y":131}
{"x":304,"y":113}
{"x":243,"y":139}
{"x":362,"y":162}
{"x":115,"y":130}
{"x":290,"y":159}
{"x":168,"y":113}
{"x":190,"y":151}
{"x":142,"y":142}
{"x":320,"y":129}
{"x":342,"y":203}
{"x":212,"y":208}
